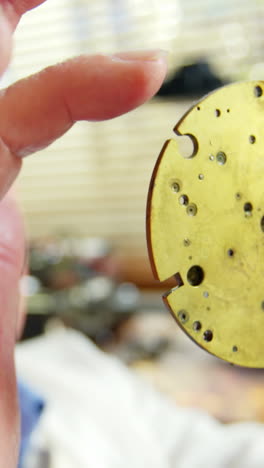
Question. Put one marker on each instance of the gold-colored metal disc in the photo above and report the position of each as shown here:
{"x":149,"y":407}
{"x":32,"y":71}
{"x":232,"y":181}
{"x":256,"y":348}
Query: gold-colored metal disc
{"x":205,"y":224}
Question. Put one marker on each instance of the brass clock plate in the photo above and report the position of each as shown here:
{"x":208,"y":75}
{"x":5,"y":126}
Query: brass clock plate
{"x":205,"y":224}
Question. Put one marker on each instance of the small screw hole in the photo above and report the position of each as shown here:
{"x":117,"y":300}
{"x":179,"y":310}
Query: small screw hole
{"x":252,"y":139}
{"x":248,"y":207}
{"x":235,"y":349}
{"x":228,"y":110}
{"x":217,"y":112}
{"x":183,"y":316}
{"x":183,"y":200}
{"x":262,"y":223}
{"x":197,"y":325}
{"x":198,"y":108}
{"x":258,"y":91}
{"x":191,"y":209}
{"x":175,"y":187}
{"x":221,"y":158}
{"x":230,"y":252}
{"x":208,"y":335}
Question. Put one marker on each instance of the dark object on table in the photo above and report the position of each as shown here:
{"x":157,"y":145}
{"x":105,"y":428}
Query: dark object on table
{"x":77,"y":281}
{"x":192,"y":80}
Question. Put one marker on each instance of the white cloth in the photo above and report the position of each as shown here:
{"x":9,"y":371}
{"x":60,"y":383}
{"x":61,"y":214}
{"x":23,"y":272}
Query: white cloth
{"x":100,"y":415}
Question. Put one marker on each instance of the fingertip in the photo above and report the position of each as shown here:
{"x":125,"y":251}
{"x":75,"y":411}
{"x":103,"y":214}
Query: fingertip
{"x":114,"y":85}
{"x":146,"y":80}
{"x":90,"y":88}
{"x":149,"y":76}
{"x":138,"y":75}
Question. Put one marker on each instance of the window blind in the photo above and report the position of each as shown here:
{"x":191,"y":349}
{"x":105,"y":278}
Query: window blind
{"x":94,"y":180}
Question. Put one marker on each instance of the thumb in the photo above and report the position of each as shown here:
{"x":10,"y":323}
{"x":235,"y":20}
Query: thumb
{"x":11,"y":265}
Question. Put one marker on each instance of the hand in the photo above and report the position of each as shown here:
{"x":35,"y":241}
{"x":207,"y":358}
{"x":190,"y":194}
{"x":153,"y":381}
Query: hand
{"x":33,"y":113}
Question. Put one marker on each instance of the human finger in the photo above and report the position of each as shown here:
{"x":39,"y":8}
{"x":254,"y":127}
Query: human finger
{"x":37,"y":110}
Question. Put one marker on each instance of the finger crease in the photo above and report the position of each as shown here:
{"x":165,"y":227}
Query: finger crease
{"x":68,"y":111}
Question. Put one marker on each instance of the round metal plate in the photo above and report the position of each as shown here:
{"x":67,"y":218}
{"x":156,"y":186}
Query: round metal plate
{"x":205,"y":224}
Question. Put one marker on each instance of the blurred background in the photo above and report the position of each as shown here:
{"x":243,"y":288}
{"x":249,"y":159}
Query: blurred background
{"x":84,"y":197}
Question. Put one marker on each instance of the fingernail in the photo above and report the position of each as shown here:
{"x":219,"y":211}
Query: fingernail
{"x":141,"y":56}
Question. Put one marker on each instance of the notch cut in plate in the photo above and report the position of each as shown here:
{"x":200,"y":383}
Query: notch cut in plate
{"x":205,"y":224}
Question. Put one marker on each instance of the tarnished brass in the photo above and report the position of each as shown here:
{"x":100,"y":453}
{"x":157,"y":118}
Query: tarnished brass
{"x":205,"y":224}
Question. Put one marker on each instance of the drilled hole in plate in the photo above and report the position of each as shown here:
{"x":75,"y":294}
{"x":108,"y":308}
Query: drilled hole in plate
{"x":217,"y":112}
{"x":248,"y":208}
{"x":238,"y":196}
{"x":175,"y":187}
{"x":221,"y":158}
{"x":228,"y":110}
{"x":197,"y":325}
{"x":186,"y":242}
{"x":198,"y":108}
{"x":258,"y":91}
{"x":262,"y":223}
{"x":208,"y":335}
{"x":252,"y":139}
{"x":230,"y":252}
{"x":191,"y":209}
{"x":195,"y":275}
{"x":235,"y":349}
{"x":188,"y":145}
{"x":183,"y":316}
{"x":183,"y":200}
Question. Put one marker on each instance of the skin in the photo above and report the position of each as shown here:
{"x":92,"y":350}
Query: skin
{"x":33,"y":113}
